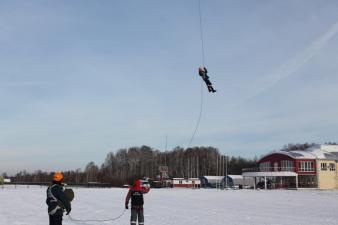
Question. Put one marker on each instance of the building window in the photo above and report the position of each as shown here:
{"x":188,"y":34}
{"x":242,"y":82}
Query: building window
{"x":180,"y":182}
{"x":286,"y":165}
{"x":323,"y":166}
{"x":306,"y":166}
{"x":265,"y":166}
{"x":332,"y":167}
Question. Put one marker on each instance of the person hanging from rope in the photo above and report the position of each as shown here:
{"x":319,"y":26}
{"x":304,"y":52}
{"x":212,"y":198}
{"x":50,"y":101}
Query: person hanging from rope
{"x":203,"y":72}
{"x":57,"y":200}
{"x":135,"y":193}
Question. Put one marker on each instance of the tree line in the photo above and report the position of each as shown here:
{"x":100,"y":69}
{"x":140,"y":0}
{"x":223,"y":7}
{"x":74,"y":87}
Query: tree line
{"x":124,"y":165}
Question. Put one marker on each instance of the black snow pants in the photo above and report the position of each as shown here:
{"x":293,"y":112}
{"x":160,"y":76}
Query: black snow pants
{"x":55,"y":220}
{"x":137,"y":213}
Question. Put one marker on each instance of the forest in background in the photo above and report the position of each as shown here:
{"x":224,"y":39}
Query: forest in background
{"x":124,"y":165}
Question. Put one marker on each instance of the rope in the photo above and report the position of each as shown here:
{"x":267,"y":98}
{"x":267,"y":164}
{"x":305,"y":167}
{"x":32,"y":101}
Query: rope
{"x":98,"y":220}
{"x":203,"y":60}
{"x":201,"y":32}
{"x":199,"y":117}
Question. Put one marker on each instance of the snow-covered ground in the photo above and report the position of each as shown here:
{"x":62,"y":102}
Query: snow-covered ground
{"x":26,"y":206}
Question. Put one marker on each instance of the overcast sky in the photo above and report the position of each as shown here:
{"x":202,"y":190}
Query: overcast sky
{"x":79,"y":79}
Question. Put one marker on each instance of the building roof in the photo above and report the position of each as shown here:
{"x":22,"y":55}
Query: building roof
{"x":214,"y":177}
{"x":235,"y":177}
{"x":191,"y":178}
{"x":314,"y":152}
{"x":270,"y":174}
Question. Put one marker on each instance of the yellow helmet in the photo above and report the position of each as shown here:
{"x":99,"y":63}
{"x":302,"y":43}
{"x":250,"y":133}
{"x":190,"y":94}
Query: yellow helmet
{"x":57,"y":176}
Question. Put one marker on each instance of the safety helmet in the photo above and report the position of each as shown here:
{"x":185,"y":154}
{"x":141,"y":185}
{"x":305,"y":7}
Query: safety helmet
{"x":57,"y":176}
{"x":137,"y":184}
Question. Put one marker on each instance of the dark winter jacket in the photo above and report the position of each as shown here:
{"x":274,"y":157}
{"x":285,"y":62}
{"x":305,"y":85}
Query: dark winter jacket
{"x":56,"y":199}
{"x":135,"y":193}
{"x":204,"y":74}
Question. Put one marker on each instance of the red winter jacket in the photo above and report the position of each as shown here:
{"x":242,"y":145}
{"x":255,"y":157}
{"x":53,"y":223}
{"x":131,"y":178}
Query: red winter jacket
{"x":135,"y":193}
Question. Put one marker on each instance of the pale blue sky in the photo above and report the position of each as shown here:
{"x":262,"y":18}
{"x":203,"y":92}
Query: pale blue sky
{"x":79,"y":79}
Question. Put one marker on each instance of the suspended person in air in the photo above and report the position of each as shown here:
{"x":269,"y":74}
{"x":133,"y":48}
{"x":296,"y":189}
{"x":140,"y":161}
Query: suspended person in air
{"x":203,"y":72}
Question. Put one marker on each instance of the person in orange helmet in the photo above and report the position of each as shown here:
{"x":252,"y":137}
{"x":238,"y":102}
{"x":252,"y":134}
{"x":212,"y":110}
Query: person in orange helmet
{"x":135,"y":193}
{"x":56,"y":200}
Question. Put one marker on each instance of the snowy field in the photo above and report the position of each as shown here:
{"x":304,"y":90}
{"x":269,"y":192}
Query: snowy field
{"x":26,"y":206}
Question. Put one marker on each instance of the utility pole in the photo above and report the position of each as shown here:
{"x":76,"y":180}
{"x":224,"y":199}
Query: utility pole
{"x":217,"y":172}
{"x":166,"y":142}
{"x":226,"y":171}
{"x":223,"y":159}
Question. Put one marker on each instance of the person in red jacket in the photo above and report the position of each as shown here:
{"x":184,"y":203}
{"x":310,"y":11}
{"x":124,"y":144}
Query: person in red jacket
{"x":135,"y":193}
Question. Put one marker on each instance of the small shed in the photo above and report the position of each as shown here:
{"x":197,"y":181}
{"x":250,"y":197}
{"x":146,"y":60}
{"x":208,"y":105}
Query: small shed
{"x":187,"y":183}
{"x":238,"y":181}
{"x":233,"y":181}
{"x":7,"y":180}
{"x":211,"y":181}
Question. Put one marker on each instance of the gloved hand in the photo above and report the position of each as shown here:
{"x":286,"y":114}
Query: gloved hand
{"x":126,"y":206}
{"x":68,"y":212}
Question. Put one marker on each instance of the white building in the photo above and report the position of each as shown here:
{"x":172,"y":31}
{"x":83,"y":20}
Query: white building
{"x":7,"y":180}
{"x":187,"y":183}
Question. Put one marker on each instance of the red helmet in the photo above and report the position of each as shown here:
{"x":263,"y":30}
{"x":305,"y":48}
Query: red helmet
{"x":137,"y":184}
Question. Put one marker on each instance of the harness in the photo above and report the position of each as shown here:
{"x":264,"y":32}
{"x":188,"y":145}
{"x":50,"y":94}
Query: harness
{"x":53,"y":199}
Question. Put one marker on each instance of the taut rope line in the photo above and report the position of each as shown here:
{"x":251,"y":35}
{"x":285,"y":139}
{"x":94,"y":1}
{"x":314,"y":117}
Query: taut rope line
{"x":203,"y":61}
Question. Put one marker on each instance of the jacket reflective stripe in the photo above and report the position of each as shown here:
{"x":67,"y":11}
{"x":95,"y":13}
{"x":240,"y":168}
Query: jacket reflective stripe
{"x":54,"y":210}
{"x":50,"y":194}
{"x":54,"y":199}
